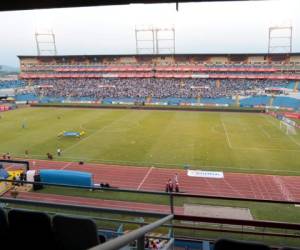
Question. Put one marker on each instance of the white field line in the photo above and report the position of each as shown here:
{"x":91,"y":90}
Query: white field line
{"x":275,"y":125}
{"x":268,"y":149}
{"x":84,"y":139}
{"x":227,"y":137}
{"x":293,"y":139}
{"x":265,"y":132}
{"x":145,"y":178}
{"x":92,"y":134}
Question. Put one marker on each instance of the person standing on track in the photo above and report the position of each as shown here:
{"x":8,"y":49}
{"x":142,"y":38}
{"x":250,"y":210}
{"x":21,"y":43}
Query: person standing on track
{"x":170,"y":186}
{"x":58,"y":152}
{"x":176,"y":179}
{"x":176,"y":187}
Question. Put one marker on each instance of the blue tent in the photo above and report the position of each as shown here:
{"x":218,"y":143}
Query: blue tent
{"x":67,"y":177}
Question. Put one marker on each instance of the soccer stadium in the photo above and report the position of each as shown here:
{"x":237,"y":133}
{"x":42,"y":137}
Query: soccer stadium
{"x":150,"y":150}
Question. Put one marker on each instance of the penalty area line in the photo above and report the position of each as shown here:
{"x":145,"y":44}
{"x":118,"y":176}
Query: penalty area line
{"x":290,"y":137}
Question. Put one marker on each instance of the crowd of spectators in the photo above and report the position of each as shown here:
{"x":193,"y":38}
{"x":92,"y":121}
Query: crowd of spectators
{"x":7,"y":84}
{"x":154,"y":87}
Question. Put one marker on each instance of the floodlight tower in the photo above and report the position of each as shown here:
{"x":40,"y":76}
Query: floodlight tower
{"x":280,"y":39}
{"x":165,"y":40}
{"x":155,"y":40}
{"x":45,"y":43}
{"x":145,"y":39}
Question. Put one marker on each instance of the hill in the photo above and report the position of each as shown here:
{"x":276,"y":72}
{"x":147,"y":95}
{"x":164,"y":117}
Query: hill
{"x":4,"y":69}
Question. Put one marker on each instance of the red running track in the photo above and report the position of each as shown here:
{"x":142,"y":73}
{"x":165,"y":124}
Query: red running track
{"x":262,"y":187}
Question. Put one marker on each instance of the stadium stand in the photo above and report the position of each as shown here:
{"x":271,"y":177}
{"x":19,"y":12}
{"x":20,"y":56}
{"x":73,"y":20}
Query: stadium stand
{"x":158,"y":88}
{"x":224,"y":97}
{"x":255,"y":101}
{"x":286,"y":102}
{"x":26,"y":229}
{"x":165,"y":80}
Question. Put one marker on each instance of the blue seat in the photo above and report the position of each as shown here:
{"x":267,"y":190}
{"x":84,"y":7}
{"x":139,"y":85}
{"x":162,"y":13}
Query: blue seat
{"x":227,"y":244}
{"x":30,"y":230}
{"x":205,"y":245}
{"x":4,"y":233}
{"x":73,"y":233}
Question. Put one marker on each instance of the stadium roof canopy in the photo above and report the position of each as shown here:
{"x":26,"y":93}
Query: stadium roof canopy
{"x":154,"y":55}
{"x":8,"y":5}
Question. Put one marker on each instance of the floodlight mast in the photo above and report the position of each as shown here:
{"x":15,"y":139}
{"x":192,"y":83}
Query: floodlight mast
{"x":45,"y":43}
{"x":153,"y":44}
{"x":285,"y":39}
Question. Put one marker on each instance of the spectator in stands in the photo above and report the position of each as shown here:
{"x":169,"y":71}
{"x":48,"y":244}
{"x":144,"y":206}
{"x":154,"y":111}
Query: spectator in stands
{"x":147,"y":243}
{"x":96,"y":89}
{"x":153,"y":245}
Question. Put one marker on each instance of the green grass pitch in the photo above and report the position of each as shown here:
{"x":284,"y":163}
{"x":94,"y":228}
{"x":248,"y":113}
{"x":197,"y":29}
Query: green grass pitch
{"x":204,"y":140}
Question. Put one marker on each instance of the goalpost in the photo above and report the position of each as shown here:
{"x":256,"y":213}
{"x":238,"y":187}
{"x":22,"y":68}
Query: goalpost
{"x":288,"y":128}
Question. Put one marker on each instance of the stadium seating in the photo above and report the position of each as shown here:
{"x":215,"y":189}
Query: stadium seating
{"x":282,"y":101}
{"x":163,"y":89}
{"x":25,"y":225}
{"x":3,"y":227}
{"x":154,"y":87}
{"x":26,"y":229}
{"x":227,"y":244}
{"x":75,"y":233}
{"x":221,"y":100}
{"x":255,"y":101}
{"x":27,"y":97}
{"x":289,"y":248}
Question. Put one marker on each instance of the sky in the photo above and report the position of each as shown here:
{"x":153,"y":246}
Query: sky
{"x":220,"y":27}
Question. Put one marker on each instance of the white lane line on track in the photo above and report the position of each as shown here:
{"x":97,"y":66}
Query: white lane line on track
{"x":145,"y":178}
{"x":66,"y":165}
{"x":284,"y":190}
